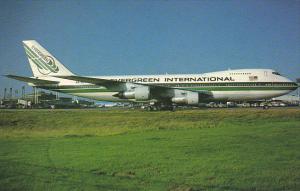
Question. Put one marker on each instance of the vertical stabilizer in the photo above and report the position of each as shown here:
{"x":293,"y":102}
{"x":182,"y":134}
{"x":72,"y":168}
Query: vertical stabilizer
{"x":42,"y":62}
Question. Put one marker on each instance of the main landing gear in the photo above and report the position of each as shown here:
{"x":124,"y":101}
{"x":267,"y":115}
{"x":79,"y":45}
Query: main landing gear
{"x":265,"y":107}
{"x":161,"y":108}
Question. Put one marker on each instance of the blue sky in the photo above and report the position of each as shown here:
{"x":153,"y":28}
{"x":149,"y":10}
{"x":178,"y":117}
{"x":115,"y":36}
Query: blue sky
{"x":152,"y":37}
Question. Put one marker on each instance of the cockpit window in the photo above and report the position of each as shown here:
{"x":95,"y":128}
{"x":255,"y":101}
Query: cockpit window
{"x":276,"y":73}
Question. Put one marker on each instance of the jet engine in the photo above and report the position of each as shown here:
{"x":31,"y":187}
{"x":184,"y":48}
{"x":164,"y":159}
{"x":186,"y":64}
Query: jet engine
{"x":139,"y":93}
{"x":184,"y":97}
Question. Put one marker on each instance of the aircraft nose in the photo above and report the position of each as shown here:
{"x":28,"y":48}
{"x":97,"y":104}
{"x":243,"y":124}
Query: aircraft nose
{"x":287,"y":79}
{"x":292,"y":83}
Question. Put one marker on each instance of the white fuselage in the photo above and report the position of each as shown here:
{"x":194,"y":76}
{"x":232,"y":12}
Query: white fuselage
{"x":230,"y":85}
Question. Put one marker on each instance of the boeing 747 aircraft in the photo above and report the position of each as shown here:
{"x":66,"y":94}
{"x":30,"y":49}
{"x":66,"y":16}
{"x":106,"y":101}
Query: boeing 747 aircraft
{"x":159,"y":90}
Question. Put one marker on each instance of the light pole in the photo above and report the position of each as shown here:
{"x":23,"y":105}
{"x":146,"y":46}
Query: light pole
{"x":5,"y":92}
{"x":23,"y":92}
{"x":298,"y":89}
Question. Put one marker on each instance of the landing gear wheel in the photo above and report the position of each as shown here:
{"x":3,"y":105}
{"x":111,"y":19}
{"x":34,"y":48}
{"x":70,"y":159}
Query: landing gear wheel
{"x":153,"y":108}
{"x":265,"y":107}
{"x":172,"y":108}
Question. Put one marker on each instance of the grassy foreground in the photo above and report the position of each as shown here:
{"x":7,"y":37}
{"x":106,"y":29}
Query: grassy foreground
{"x":226,"y":149}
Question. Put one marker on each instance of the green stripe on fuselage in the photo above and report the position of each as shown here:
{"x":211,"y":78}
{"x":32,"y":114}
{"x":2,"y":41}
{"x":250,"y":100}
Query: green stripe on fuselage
{"x":238,"y":88}
{"x":95,"y":90}
{"x":234,"y":86}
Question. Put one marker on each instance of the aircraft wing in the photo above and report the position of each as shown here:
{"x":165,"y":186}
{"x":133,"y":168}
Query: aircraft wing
{"x":159,"y":90}
{"x":31,"y":80}
{"x":91,"y":80}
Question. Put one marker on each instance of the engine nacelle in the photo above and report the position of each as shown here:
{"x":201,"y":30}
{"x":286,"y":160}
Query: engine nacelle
{"x":128,"y":95}
{"x":140,"y":93}
{"x":189,"y":98}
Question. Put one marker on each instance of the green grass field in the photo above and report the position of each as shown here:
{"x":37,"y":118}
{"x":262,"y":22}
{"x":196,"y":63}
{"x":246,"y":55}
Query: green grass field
{"x":208,"y":149}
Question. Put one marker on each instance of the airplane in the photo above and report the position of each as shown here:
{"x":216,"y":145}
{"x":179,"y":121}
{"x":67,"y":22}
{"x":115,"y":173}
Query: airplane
{"x":160,"y":91}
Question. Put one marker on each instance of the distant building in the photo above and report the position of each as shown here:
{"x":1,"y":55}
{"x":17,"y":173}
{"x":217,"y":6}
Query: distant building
{"x":43,"y":99}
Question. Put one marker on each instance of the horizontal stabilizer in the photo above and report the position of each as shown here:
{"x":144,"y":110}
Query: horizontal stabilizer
{"x":31,"y":80}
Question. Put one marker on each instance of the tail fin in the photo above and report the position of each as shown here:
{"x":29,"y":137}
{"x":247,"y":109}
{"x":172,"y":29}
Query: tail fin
{"x":42,"y":63}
